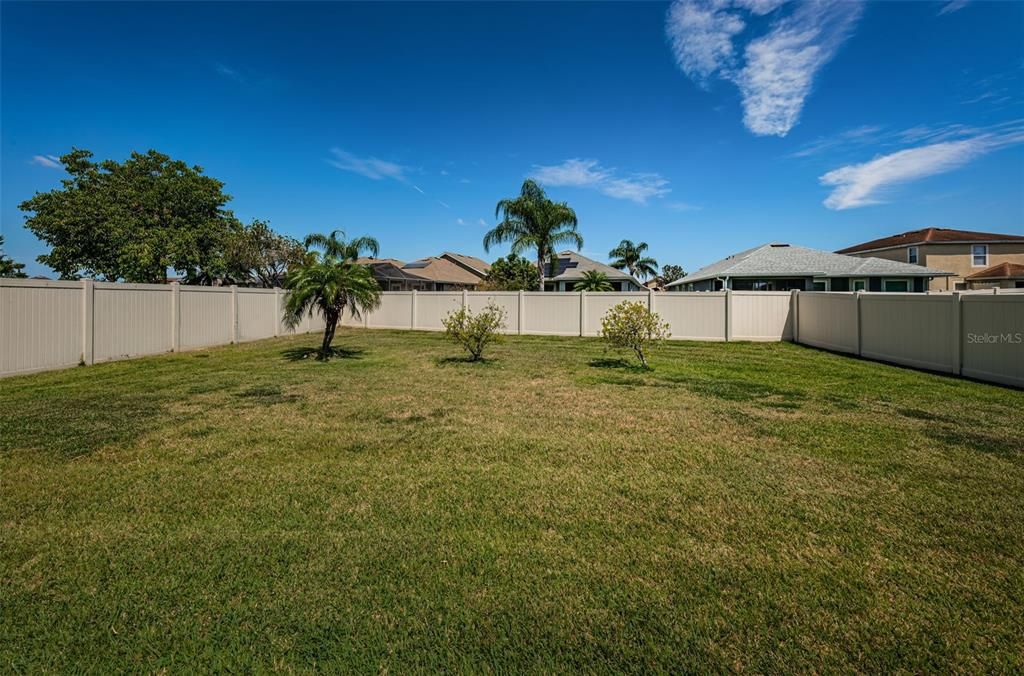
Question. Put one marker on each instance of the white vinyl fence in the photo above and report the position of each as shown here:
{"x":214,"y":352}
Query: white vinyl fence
{"x":979,"y":335}
{"x":46,"y":324}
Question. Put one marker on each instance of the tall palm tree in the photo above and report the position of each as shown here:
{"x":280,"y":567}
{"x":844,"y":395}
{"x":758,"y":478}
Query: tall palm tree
{"x":593,"y":280}
{"x":532,"y":221}
{"x":329,"y":283}
{"x":629,"y":256}
{"x":334,"y":245}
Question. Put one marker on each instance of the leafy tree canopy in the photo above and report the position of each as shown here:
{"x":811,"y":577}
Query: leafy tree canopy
{"x":630,"y":256}
{"x":8,"y":267}
{"x":258,"y":256}
{"x":512,"y":273}
{"x":133,"y":220}
{"x":670,"y":273}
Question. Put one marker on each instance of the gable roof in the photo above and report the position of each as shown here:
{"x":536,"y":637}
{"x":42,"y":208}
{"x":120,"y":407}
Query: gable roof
{"x":1000,"y":271}
{"x":572,"y":265}
{"x":474,"y":264}
{"x":440,"y":269}
{"x":929,"y":236}
{"x":784,"y":260}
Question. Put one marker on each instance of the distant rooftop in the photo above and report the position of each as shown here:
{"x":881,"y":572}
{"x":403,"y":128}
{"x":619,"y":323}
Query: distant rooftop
{"x":930,"y":236}
{"x":572,"y":265}
{"x":785,"y":260}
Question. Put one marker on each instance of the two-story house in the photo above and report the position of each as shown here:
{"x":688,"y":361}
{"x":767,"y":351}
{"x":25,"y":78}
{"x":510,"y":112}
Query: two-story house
{"x":968,"y":255}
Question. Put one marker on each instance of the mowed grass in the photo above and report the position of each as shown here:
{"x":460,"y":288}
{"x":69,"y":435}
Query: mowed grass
{"x":750,"y":507}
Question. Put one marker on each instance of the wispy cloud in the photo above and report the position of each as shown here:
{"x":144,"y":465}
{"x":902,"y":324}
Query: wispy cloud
{"x":683,"y":206}
{"x":481,"y":221}
{"x":590,"y":174}
{"x":370,"y":167}
{"x":459,"y":221}
{"x":855,"y":136}
{"x":49,"y":161}
{"x":953,"y":6}
{"x":229,"y":72}
{"x":776,"y":71}
{"x":858,"y":185}
{"x":444,"y":204}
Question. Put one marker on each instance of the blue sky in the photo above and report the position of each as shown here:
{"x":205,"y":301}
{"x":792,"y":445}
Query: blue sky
{"x":703,"y":127}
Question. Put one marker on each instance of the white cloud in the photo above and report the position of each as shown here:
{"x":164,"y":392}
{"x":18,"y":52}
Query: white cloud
{"x":481,"y":221}
{"x":777,"y":71}
{"x":444,"y":172}
{"x":953,"y":6}
{"x":370,"y":167}
{"x":444,"y":204}
{"x":229,"y":73}
{"x":459,"y":221}
{"x":49,"y":161}
{"x":858,"y":185}
{"x":417,"y":189}
{"x":683,"y":206}
{"x":590,"y":174}
{"x":464,"y":180}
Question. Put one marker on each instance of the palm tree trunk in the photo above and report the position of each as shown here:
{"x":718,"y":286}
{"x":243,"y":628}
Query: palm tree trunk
{"x":332,"y":325}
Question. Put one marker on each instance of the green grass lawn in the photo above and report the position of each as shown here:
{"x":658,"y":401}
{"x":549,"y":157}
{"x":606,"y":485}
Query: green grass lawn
{"x":762,"y":507}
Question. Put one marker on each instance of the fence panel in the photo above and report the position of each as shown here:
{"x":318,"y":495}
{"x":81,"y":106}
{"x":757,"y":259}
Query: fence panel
{"x":762,"y":315}
{"x":40,"y":325}
{"x":693,"y":316}
{"x":131,"y":320}
{"x":433,"y":306}
{"x":257,"y":313}
{"x":395,"y":312}
{"x":829,"y":321}
{"x":204,"y":316}
{"x":912,"y":329}
{"x":551,"y":314}
{"x":506,"y":300}
{"x":993,"y":338}
{"x":597,"y":304}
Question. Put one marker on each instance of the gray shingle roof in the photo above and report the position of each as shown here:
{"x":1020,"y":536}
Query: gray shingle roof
{"x":572,"y":265}
{"x":784,"y":260}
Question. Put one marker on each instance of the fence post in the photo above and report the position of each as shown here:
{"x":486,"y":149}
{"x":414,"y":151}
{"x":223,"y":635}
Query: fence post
{"x":277,"y":312}
{"x":522,"y":298}
{"x":175,"y":317}
{"x":583,"y":311}
{"x":958,"y":321}
{"x":234,"y":313}
{"x":794,"y":313}
{"x":465,"y":298}
{"x":412,"y":320}
{"x":650,"y":300}
{"x":88,"y":320}
{"x":860,"y":333}
{"x":728,"y":315}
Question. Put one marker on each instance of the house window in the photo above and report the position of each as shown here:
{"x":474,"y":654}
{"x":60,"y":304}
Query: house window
{"x":912,"y":255}
{"x":895,"y":286}
{"x":979,"y":255}
{"x":820,"y":286}
{"x":859,"y":285}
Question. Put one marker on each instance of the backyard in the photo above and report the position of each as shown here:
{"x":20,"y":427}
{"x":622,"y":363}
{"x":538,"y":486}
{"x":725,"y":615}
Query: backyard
{"x":743,"y":506}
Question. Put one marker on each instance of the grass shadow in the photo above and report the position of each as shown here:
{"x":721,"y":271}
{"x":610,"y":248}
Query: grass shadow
{"x":441,"y":362}
{"x":267,"y":395}
{"x":303,"y":353}
{"x":618,"y":363}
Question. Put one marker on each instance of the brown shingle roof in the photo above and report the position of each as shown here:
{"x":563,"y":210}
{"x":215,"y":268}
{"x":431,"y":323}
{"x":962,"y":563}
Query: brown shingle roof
{"x":439,"y":269}
{"x":473,"y":262}
{"x":930,"y":235}
{"x":1001,"y":271}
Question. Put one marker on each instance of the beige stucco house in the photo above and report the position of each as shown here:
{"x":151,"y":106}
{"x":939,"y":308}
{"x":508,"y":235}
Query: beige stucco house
{"x":447,"y":272}
{"x":961,"y":252}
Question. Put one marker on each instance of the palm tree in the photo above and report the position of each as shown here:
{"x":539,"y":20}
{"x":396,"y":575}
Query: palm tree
{"x":335,"y":246}
{"x":532,"y":221}
{"x":329,"y":283}
{"x":593,"y":280}
{"x":629,"y":256}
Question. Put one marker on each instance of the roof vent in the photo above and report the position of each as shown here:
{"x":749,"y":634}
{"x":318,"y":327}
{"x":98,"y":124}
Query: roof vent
{"x":777,"y":246}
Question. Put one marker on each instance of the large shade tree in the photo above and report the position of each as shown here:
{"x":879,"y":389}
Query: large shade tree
{"x":329,"y":282}
{"x":532,"y":222}
{"x":133,"y":220}
{"x":258,"y":256}
{"x":630,"y":256}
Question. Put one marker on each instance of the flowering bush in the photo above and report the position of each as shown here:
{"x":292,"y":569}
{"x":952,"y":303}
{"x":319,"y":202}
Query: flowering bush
{"x":630,"y":325}
{"x":475,"y":332}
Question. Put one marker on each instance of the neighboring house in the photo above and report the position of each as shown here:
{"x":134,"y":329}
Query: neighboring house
{"x":447,"y":272}
{"x":1002,"y":276}
{"x":960,"y":252}
{"x":782,"y":267}
{"x":570,"y":269}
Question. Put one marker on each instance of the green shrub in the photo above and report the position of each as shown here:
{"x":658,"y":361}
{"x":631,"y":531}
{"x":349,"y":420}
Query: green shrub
{"x":630,"y":325}
{"x":474,"y":332}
